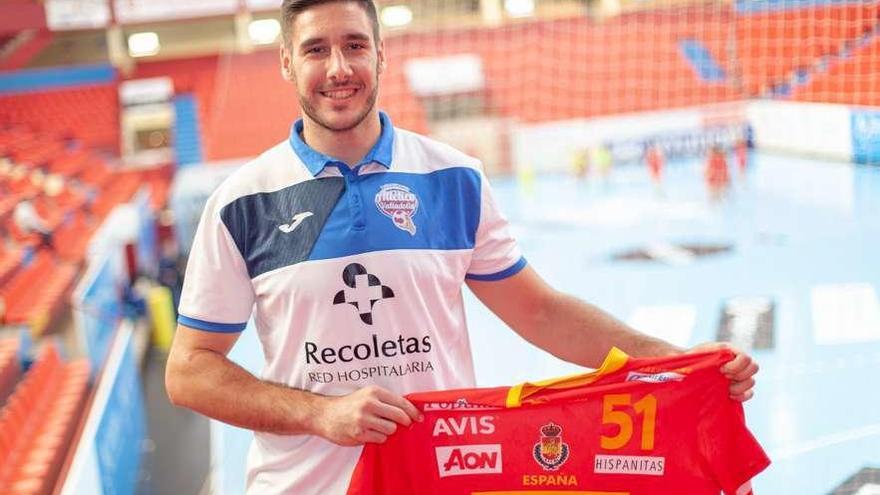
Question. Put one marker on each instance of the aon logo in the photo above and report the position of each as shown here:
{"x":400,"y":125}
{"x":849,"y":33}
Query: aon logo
{"x":458,"y":460}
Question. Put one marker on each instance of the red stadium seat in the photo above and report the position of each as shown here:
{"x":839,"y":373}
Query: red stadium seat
{"x":89,"y":113}
{"x":38,"y":421}
{"x":772,"y":45}
{"x":10,"y":261}
{"x":118,"y":188}
{"x":852,"y":81}
{"x":72,"y":239}
{"x":35,"y":294}
{"x":10,"y":368}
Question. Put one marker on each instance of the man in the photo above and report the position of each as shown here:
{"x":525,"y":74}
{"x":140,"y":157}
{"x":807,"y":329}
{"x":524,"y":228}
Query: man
{"x":655,"y":160}
{"x":716,"y":173}
{"x":28,"y":220}
{"x":350,"y":243}
{"x":741,"y":148}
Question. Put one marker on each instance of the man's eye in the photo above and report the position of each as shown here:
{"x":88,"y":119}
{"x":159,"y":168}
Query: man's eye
{"x":316,"y":49}
{"x":356,"y":46}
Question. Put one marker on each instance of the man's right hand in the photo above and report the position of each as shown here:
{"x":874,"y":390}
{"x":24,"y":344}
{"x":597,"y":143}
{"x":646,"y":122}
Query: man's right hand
{"x":368,"y":415}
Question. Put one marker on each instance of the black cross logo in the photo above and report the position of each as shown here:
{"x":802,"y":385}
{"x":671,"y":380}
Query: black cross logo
{"x":364,"y":290}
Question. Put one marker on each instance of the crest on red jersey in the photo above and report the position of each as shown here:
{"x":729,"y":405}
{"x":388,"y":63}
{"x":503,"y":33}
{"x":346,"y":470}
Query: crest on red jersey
{"x":551,"y":452}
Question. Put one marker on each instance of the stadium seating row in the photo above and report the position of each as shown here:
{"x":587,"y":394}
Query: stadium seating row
{"x":38,"y":422}
{"x":35,"y":294}
{"x":10,"y":261}
{"x":88,"y":113}
{"x":770,"y":46}
{"x":73,"y":190}
{"x":853,"y":81}
{"x":48,"y":153}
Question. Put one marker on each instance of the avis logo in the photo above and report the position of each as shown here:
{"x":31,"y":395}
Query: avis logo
{"x":464,"y":425}
{"x":459,"y":460}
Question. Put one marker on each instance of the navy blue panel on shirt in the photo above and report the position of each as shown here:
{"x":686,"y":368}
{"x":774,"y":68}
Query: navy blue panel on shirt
{"x":277,"y":229}
{"x":447,"y":217}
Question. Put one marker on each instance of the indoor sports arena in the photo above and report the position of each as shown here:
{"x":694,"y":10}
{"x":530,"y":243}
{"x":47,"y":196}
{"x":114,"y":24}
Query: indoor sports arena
{"x":439,"y":247}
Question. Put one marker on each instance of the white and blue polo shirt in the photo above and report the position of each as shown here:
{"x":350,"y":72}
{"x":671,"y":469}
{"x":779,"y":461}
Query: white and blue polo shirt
{"x":353,"y":277}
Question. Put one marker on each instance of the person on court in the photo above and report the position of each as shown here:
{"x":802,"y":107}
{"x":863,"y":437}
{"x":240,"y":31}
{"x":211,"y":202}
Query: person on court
{"x":716,"y":173}
{"x":741,"y":150}
{"x":655,"y":161}
{"x":348,"y":244}
{"x":580,"y":163}
{"x":604,"y":161}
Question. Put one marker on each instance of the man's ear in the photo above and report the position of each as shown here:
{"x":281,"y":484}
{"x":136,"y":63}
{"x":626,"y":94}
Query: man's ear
{"x":286,"y":59}
{"x":381,"y":55}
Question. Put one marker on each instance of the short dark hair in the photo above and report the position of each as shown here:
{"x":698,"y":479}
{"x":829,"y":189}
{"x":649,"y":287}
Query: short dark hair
{"x":292,"y":8}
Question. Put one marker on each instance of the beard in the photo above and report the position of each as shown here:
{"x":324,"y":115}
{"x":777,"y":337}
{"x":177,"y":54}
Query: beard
{"x":313,"y":113}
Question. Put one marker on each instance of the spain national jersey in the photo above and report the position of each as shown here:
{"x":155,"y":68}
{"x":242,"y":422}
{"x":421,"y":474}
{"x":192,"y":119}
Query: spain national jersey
{"x":658,"y":426}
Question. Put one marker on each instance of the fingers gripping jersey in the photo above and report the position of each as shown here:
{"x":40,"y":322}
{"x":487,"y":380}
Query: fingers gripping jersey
{"x":658,"y":426}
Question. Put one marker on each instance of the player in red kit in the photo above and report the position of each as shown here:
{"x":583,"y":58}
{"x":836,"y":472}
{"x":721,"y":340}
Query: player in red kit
{"x":655,"y":160}
{"x":716,"y":174}
{"x":742,"y":157}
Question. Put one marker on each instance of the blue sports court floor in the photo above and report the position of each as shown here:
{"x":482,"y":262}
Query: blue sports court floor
{"x":804,"y":235}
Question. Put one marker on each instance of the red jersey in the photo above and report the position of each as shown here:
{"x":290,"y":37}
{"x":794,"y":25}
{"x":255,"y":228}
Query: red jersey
{"x":716,"y":170}
{"x":742,"y":157}
{"x":654,"y":158}
{"x":655,"y":426}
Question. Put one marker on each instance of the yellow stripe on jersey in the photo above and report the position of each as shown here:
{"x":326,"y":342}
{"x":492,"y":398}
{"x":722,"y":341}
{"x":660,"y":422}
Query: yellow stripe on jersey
{"x":615,"y":360}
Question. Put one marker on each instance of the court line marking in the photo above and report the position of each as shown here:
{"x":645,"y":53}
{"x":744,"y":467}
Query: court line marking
{"x":789,"y":452}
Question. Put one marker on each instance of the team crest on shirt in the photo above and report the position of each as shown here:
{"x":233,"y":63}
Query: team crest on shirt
{"x":398,"y":203}
{"x":551,"y":452}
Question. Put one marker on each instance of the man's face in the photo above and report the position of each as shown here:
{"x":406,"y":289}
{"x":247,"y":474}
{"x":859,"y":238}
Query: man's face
{"x":335,"y":63}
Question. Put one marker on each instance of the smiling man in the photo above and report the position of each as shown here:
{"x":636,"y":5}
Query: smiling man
{"x":349,"y":244}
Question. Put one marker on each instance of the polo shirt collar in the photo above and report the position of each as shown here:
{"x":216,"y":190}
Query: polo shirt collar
{"x":315,"y":161}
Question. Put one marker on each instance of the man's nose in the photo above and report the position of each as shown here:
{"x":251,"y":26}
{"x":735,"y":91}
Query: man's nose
{"x":339,"y":68}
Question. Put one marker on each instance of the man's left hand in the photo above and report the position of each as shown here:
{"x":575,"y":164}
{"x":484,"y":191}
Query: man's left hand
{"x":740,"y":370}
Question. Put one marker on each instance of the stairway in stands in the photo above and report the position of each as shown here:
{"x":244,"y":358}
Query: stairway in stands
{"x":187,"y":135}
